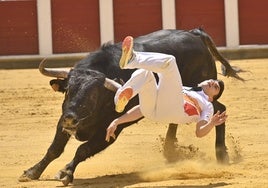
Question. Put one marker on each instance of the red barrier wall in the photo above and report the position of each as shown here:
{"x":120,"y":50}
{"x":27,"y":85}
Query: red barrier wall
{"x":208,"y":14}
{"x":18,"y":27}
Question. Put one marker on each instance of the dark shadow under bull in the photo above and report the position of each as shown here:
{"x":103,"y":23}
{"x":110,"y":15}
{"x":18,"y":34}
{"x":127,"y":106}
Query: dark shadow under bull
{"x":88,"y":107}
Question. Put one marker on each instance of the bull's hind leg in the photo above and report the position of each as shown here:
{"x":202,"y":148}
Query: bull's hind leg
{"x":170,"y":143}
{"x":53,"y":152}
{"x":221,"y":149}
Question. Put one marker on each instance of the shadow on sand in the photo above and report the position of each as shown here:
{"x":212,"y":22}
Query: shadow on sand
{"x":128,"y":179}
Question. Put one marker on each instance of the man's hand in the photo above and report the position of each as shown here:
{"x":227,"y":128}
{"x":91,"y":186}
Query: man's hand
{"x":110,"y":131}
{"x":219,"y":118}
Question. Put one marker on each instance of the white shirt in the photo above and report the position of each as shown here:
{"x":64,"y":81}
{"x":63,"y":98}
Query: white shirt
{"x":205,"y":106}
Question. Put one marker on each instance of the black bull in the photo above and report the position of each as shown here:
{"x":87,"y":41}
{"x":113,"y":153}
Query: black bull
{"x":88,"y":106}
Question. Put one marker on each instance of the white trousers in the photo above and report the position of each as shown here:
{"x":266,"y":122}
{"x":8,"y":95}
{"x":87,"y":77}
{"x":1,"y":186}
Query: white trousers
{"x":162,"y":101}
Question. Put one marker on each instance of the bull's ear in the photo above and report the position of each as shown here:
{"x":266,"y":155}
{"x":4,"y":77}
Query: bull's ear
{"x":58,"y":85}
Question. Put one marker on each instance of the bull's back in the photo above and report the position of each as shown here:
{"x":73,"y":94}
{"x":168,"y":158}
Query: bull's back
{"x":193,"y":57}
{"x":194,"y":60}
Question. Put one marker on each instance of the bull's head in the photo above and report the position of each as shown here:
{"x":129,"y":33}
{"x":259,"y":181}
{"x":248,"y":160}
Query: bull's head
{"x":87,"y":98}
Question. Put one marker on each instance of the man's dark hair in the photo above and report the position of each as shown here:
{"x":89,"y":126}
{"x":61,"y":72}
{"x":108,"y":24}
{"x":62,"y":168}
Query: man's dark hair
{"x":221,"y":84}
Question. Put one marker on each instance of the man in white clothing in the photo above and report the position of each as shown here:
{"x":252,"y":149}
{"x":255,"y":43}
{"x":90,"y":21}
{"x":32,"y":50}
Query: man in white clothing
{"x":166,"y":101}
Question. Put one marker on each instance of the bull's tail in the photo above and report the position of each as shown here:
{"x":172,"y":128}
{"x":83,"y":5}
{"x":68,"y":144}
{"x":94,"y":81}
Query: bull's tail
{"x":229,"y":70}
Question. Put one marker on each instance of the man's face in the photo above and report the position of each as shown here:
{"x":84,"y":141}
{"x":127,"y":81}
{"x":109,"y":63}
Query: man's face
{"x":211,"y":88}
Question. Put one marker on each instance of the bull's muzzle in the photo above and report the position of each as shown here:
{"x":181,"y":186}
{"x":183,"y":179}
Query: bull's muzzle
{"x":70,"y":122}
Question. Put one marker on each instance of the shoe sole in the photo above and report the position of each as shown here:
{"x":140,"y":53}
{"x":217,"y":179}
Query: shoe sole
{"x":127,"y":46}
{"x":123,"y":99}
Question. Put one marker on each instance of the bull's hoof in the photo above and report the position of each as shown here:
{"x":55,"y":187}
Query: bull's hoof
{"x":29,"y":175}
{"x":65,"y":176}
{"x":169,"y":152}
{"x":222,"y":156}
{"x":24,"y":178}
{"x":66,"y":180}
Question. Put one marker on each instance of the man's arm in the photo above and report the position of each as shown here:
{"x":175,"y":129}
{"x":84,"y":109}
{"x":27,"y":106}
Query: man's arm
{"x":131,"y":115}
{"x":203,"y":127}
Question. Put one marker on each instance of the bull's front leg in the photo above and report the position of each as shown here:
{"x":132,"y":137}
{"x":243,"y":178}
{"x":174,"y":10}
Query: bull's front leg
{"x":221,"y":149}
{"x":53,"y":152}
{"x":84,"y":151}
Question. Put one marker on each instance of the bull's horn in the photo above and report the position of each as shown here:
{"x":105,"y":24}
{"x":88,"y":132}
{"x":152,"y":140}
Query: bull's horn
{"x":111,"y":85}
{"x":58,"y":73}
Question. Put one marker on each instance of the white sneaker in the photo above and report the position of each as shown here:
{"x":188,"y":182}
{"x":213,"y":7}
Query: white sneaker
{"x":127,"y":51}
{"x":123,"y":99}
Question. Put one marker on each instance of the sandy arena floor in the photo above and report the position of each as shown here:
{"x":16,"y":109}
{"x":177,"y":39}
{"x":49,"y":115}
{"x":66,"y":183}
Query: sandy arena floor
{"x":30,"y":111}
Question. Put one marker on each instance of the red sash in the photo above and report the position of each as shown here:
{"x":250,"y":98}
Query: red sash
{"x":191,"y":106}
